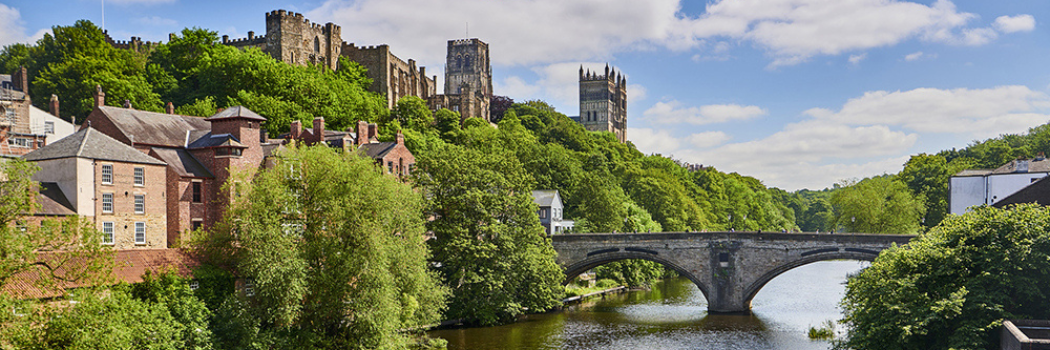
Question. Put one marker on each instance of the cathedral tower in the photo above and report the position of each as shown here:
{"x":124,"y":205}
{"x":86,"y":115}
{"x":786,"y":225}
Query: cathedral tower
{"x":467,"y":63}
{"x":603,"y":102}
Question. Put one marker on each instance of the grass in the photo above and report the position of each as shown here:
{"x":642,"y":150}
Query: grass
{"x":824,"y":332}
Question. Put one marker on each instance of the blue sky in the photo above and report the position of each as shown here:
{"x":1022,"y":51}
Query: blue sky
{"x":798,"y":93}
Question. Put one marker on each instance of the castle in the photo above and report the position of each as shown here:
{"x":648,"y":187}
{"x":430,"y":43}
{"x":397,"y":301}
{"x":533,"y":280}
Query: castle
{"x":292,"y":38}
{"x":603,"y":102}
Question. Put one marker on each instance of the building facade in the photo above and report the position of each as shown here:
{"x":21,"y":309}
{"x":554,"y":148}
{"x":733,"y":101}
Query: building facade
{"x":468,"y":79}
{"x":551,"y":211}
{"x":16,"y":133}
{"x":987,"y":187}
{"x":392,"y":76}
{"x":603,"y":102}
{"x":118,"y":187}
{"x":392,"y":157}
{"x":292,"y":38}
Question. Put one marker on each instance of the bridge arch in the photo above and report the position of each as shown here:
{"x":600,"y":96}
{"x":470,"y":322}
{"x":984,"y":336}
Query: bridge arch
{"x":752,"y":290}
{"x":574,"y":270}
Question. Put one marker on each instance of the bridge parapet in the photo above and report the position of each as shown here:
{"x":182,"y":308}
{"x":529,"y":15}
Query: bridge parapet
{"x":728,"y":267}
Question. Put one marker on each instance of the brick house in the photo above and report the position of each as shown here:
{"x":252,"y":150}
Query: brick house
{"x":16,"y":133}
{"x":121,"y":189}
{"x":201,"y":154}
{"x":392,"y":157}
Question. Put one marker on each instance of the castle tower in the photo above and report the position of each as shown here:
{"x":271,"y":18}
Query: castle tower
{"x":603,"y":102}
{"x":292,"y":38}
{"x":467,"y":62}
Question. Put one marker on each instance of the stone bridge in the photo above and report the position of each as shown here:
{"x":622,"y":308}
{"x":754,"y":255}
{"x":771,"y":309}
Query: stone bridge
{"x":728,"y":267}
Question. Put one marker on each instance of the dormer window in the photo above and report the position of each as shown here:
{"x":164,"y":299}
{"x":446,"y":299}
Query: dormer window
{"x":228,"y":152}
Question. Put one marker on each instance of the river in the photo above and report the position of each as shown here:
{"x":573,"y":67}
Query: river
{"x":673,"y":315}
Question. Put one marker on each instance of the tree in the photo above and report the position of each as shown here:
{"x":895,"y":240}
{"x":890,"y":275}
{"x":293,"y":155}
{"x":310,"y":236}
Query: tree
{"x":488,"y":245}
{"x":877,"y":205}
{"x":335,"y":249}
{"x":952,"y":287}
{"x":498,"y":105}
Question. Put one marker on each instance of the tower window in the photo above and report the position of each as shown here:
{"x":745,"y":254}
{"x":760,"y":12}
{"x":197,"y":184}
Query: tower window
{"x":317,"y":44}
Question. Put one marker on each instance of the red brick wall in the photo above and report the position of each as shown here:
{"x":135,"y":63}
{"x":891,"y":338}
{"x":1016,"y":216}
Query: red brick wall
{"x":123,"y":215}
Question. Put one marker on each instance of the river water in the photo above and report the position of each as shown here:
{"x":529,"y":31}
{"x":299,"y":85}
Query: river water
{"x":673,"y":315}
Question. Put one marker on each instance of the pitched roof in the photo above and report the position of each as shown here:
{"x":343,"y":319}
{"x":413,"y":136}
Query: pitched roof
{"x":153,"y":128}
{"x":52,"y":201}
{"x":129,"y":266}
{"x":182,"y":162}
{"x":544,"y":198}
{"x":1024,"y":166}
{"x":220,"y":140}
{"x":91,"y":144}
{"x":236,"y":112}
{"x":379,"y":149}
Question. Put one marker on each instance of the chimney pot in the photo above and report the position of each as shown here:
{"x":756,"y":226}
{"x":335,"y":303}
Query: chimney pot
{"x":169,"y":108}
{"x":127,"y":104}
{"x":54,"y":105}
{"x":100,"y":97}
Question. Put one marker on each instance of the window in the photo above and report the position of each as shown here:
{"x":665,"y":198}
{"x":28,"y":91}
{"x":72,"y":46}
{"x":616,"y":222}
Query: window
{"x":228,"y":152}
{"x":196,"y":191}
{"x":107,"y":174}
{"x":107,"y":202}
{"x":140,"y":204}
{"x":140,"y":233}
{"x":249,"y":287}
{"x":194,"y":284}
{"x":196,"y":225}
{"x":49,"y":127}
{"x":140,"y":176}
{"x":107,"y":233}
{"x":543,"y":213}
{"x":390,"y":166}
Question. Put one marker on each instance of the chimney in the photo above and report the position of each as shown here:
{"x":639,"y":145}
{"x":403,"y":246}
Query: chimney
{"x":318,"y":129}
{"x":373,"y":131}
{"x":20,"y":78}
{"x":169,"y":108}
{"x":251,"y":35}
{"x":100,"y":97}
{"x":264,"y":136}
{"x":362,"y":132}
{"x":127,"y":104}
{"x":400,"y":138}
{"x":297,"y":130}
{"x":54,"y":105}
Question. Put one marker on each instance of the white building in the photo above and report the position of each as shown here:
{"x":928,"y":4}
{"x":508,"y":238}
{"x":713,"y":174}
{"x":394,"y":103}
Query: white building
{"x":982,"y":186}
{"x":54,"y":128}
{"x":550,"y":211}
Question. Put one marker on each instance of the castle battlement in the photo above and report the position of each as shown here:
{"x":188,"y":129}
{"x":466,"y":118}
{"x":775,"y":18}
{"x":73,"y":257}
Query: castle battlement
{"x":364,"y":48}
{"x":464,"y":41}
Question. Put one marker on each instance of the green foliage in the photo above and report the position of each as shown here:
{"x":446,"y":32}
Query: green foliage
{"x":877,"y":205}
{"x":825,"y":332}
{"x":488,"y":245}
{"x":340,"y":262}
{"x":631,"y":273}
{"x":200,"y":108}
{"x":927,"y":176}
{"x":952,"y":287}
{"x":188,"y":311}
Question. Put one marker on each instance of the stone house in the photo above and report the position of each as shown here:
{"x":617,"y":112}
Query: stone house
{"x":16,"y":133}
{"x":121,"y":189}
{"x":392,"y":157}
{"x":201,"y":155}
{"x":550,"y":211}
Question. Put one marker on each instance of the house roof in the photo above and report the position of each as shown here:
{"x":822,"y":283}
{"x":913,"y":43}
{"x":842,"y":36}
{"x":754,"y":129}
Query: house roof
{"x":52,"y":201}
{"x":1038,"y":165}
{"x":973,"y":172}
{"x":219,"y":140}
{"x":157,"y":129}
{"x":129,"y":266}
{"x":91,"y":144}
{"x":235,"y":113}
{"x":11,"y":94}
{"x":1037,"y":192}
{"x":379,"y":149}
{"x":544,"y":198}
{"x":182,"y":162}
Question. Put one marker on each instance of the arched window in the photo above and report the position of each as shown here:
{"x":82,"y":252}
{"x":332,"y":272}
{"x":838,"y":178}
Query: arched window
{"x":317,"y":45}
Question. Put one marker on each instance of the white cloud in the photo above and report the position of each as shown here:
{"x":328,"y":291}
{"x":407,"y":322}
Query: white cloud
{"x":653,"y":141}
{"x":977,"y":112}
{"x":672,"y":112}
{"x":913,"y":56}
{"x":1019,"y":23}
{"x":157,"y":21}
{"x":516,"y":88}
{"x":708,"y":139}
{"x":636,"y":93}
{"x":855,"y":59}
{"x":543,"y":31}
{"x":11,"y":28}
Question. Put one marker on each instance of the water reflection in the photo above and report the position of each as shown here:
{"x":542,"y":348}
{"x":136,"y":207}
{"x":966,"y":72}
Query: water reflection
{"x":673,"y":316}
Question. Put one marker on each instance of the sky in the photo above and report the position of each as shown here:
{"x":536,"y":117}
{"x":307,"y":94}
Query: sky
{"x":797,"y":93}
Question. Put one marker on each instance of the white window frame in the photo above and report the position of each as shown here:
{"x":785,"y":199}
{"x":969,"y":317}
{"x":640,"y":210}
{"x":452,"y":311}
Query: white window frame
{"x":107,"y":176}
{"x":49,"y":127}
{"x":140,"y":204}
{"x":140,"y":176}
{"x":108,"y":203}
{"x":107,"y":233}
{"x":140,"y":232}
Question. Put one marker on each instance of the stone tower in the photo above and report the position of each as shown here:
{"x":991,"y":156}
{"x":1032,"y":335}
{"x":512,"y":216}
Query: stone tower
{"x":467,"y":63}
{"x":603,"y":102}
{"x":294,"y":39}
